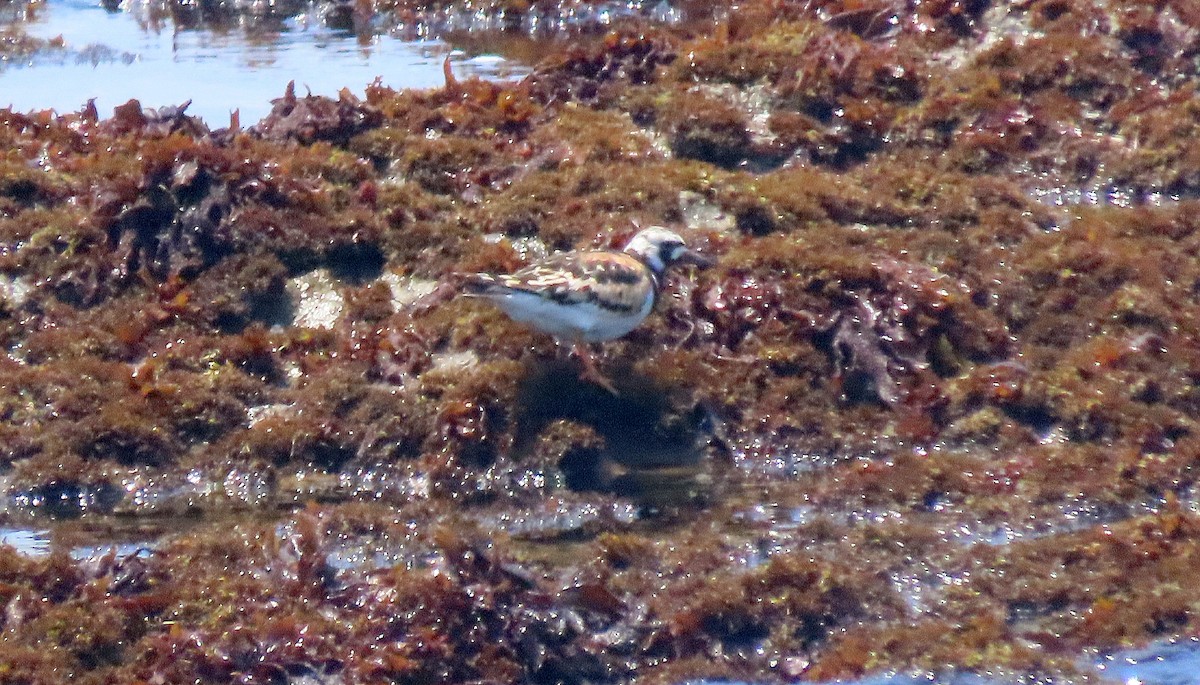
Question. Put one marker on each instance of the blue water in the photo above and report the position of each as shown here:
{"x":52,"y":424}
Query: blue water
{"x":113,"y":56}
{"x":29,"y":542}
{"x":36,"y":544}
{"x":1172,"y":662}
{"x":916,"y":679}
{"x":1167,"y":663}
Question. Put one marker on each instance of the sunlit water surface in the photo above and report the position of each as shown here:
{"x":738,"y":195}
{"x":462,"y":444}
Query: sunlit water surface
{"x":1173,"y":662}
{"x":116,"y":55}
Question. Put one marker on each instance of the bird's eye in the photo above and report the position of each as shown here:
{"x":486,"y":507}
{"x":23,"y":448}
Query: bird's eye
{"x":675,"y":250}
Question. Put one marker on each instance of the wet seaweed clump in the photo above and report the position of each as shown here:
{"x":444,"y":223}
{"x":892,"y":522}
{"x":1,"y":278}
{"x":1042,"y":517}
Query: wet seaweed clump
{"x":933,"y":408}
{"x":315,"y":117}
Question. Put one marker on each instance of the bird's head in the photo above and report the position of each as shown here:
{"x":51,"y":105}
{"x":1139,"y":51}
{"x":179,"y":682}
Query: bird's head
{"x":659,"y":248}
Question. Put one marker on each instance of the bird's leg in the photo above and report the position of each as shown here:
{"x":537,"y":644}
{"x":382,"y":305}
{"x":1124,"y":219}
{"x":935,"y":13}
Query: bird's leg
{"x":590,"y":372}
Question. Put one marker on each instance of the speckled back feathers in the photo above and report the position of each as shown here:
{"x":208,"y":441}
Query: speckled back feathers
{"x":587,"y":296}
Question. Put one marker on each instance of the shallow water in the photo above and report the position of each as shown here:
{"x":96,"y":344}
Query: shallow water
{"x":27,"y":541}
{"x":115,"y":55}
{"x":89,"y":539}
{"x":1175,"y":662}
{"x":1171,"y":662}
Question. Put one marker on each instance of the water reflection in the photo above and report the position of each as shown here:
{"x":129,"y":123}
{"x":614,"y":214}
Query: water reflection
{"x":37,"y":543}
{"x":219,"y":60}
{"x":1173,"y":662}
{"x":28,"y":542}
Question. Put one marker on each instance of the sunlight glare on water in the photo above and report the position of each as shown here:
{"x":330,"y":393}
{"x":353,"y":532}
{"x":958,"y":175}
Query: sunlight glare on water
{"x":31,"y":543}
{"x":1171,"y":662}
{"x":114,"y":56}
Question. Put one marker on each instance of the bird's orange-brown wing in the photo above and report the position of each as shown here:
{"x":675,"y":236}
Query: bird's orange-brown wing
{"x":613,"y":280}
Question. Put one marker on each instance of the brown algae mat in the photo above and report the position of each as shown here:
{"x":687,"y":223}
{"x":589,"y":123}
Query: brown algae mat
{"x":934,"y":407}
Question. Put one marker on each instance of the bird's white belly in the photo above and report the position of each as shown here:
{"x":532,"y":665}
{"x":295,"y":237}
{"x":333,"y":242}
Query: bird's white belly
{"x":583,"y":321}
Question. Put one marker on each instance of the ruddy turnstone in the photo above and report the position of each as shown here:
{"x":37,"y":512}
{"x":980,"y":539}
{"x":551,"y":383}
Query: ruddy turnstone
{"x":589,"y":296}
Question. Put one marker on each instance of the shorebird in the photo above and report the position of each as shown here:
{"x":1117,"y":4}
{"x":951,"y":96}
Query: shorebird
{"x":588,"y":296}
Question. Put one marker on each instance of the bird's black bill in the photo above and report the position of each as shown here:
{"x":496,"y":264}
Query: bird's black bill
{"x":688,"y":256}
